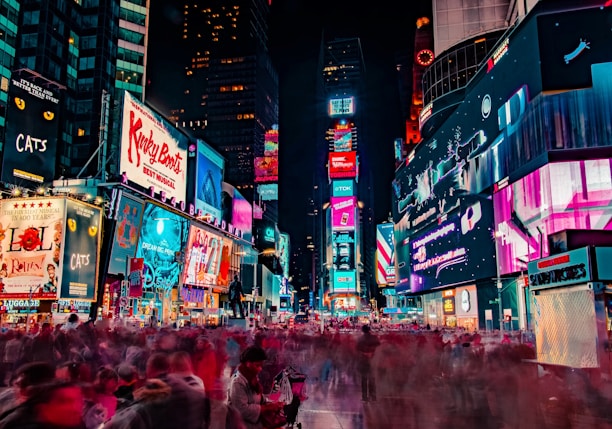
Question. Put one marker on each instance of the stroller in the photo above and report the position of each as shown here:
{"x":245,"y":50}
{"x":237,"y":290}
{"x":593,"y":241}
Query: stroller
{"x":289,"y":387}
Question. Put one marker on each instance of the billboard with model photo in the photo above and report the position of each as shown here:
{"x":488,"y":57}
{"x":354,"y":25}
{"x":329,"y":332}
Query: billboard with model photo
{"x":209,"y":177}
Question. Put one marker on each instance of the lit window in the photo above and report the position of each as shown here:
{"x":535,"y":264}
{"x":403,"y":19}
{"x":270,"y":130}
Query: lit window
{"x":80,"y":132}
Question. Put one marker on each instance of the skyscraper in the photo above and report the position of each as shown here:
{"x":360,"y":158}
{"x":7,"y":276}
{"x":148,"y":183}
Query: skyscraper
{"x":227,"y":93}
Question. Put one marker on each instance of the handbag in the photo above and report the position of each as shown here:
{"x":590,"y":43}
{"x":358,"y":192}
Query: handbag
{"x":273,"y":419}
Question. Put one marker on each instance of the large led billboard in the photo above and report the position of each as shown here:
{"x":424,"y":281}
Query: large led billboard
{"x":50,"y":248}
{"x":385,"y":254}
{"x":32,"y":125}
{"x":343,"y":212}
{"x":342,"y":165}
{"x":207,"y":258}
{"x":458,"y":250}
{"x":128,"y":219}
{"x":209,"y":177}
{"x":237,"y":211}
{"x":283,"y":252}
{"x":343,"y":140}
{"x":268,"y":191}
{"x":343,"y":250}
{"x":344,"y":281}
{"x":266,"y":166}
{"x":162,"y":239}
{"x":79,"y":273}
{"x":153,"y":152}
{"x":558,"y":196}
{"x":344,"y":106}
{"x":343,"y":188}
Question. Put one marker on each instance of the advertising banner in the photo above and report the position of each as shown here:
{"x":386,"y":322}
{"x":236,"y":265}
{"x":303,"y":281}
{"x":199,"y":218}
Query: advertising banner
{"x":343,"y":250}
{"x":560,"y":270}
{"x":125,"y":239}
{"x":237,"y":211}
{"x":446,"y":254}
{"x":162,"y":239}
{"x":153,"y":152}
{"x":283,"y":252}
{"x":32,"y":125}
{"x":266,"y":169}
{"x":343,"y":213}
{"x":207,"y":258}
{"x":344,"y":106}
{"x":135,"y":277}
{"x":344,"y":281}
{"x":342,"y":165}
{"x":209,"y":177}
{"x":343,"y":140}
{"x":268,"y":192}
{"x":31,"y":236}
{"x":79,"y":274}
{"x":385,"y":254}
{"x":343,"y":188}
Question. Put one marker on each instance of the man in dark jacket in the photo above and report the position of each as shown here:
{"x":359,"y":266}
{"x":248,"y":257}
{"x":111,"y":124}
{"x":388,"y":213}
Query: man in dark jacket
{"x":366,"y":347}
{"x":165,"y":401}
{"x":236,"y":294}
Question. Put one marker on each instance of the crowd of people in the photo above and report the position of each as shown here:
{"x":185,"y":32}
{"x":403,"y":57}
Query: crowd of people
{"x":88,"y":376}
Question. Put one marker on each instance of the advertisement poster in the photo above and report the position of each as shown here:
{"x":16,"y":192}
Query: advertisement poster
{"x":79,"y":275}
{"x":343,"y":140}
{"x":343,"y":213}
{"x":129,"y":218}
{"x":207,"y":258}
{"x":385,"y":254}
{"x":266,"y":169}
{"x":342,"y":165}
{"x":153,"y":152}
{"x":345,"y":281}
{"x":162,"y":239}
{"x":31,"y":234}
{"x":32,"y":125}
{"x":135,"y":277}
{"x":209,"y":178}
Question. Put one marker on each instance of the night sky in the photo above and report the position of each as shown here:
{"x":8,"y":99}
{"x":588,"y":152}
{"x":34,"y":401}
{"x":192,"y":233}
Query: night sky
{"x":296,"y":34}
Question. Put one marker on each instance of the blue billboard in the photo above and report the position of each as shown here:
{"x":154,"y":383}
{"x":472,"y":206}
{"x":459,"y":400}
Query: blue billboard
{"x":127,"y":228}
{"x":209,"y":178}
{"x":162,"y":239}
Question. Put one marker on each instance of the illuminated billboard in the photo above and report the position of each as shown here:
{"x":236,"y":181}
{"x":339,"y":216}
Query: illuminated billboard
{"x":50,"y":248}
{"x":32,"y":124}
{"x":342,"y":165}
{"x":209,"y":177}
{"x":344,"y":106}
{"x":268,"y":191}
{"x":343,"y":212}
{"x":343,"y":140}
{"x":207,"y":258}
{"x":344,"y":281}
{"x":283,"y":252}
{"x":128,"y":219}
{"x":343,"y":188}
{"x":458,"y":250}
{"x":343,"y":250}
{"x":153,"y":152}
{"x":162,"y":239}
{"x":385,"y":254}
{"x":558,"y":196}
{"x":266,"y":166}
{"x":237,"y":212}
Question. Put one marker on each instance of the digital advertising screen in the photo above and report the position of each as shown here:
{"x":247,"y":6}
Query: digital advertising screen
{"x":242,"y":215}
{"x":558,"y":196}
{"x":345,"y":281}
{"x":342,"y":165}
{"x":207,"y":258}
{"x":283,"y":249}
{"x":458,"y":250}
{"x":32,"y":127}
{"x":162,"y":238}
{"x":266,"y":169}
{"x":79,"y":273}
{"x":31,"y":237}
{"x":153,"y":152}
{"x":343,"y":250}
{"x":344,"y":106}
{"x":127,"y":227}
{"x":385,"y":254}
{"x":343,"y":212}
{"x":343,"y":140}
{"x":268,"y":191}
{"x":209,"y":177}
{"x":343,"y":188}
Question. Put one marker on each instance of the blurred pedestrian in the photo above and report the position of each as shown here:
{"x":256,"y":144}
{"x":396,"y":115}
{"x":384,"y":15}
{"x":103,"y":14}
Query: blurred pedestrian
{"x":181,"y":365}
{"x":25,"y":377}
{"x":366,"y":347}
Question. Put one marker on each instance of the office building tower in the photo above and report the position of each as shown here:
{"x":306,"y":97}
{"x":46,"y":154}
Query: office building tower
{"x":228,"y":91}
{"x":9,"y":27}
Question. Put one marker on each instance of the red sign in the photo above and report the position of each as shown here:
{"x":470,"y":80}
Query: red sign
{"x":342,"y":165}
{"x":135,"y":268}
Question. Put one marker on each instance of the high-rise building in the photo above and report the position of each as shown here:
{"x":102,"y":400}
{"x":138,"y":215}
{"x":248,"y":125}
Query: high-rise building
{"x":227,"y":93}
{"x":9,"y":25}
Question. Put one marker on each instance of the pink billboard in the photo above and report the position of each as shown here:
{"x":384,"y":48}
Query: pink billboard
{"x":343,"y":213}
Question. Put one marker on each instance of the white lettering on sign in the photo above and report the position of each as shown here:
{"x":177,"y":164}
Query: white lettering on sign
{"x":77,"y":261}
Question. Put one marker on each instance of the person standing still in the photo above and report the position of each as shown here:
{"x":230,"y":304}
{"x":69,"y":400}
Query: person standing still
{"x":236,"y":294}
{"x":366,"y":347}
